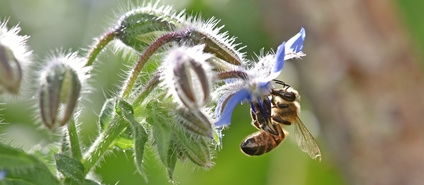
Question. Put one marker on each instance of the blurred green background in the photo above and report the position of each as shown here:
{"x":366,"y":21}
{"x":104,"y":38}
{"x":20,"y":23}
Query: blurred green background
{"x":74,"y":24}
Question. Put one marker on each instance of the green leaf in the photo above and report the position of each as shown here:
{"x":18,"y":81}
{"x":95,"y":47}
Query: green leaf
{"x":106,"y":113}
{"x":69,"y":181}
{"x":162,"y":138}
{"x":70,"y":168}
{"x":162,"y":135}
{"x":22,"y":168}
{"x":171,"y":159}
{"x":125,"y":139}
{"x":125,"y":110}
{"x":89,"y":182}
{"x":46,"y":152}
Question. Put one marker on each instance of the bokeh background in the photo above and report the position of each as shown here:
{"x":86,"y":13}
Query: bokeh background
{"x":361,"y":85}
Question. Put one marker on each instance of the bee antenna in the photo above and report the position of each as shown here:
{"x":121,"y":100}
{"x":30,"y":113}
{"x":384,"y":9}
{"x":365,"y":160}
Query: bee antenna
{"x":286,"y":86}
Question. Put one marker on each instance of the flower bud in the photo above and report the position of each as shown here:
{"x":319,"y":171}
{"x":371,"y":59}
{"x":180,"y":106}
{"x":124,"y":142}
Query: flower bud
{"x":139,"y":27}
{"x":59,"y":91}
{"x":13,"y":56}
{"x":188,"y":76}
{"x":10,"y":71}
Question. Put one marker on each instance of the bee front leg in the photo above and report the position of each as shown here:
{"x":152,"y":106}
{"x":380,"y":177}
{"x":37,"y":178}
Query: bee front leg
{"x":280,"y":120}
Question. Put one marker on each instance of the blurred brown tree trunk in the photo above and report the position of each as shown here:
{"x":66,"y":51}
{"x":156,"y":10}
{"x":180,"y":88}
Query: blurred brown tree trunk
{"x":363,"y":78}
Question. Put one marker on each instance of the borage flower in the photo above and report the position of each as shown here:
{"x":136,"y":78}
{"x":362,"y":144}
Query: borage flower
{"x":254,"y":85}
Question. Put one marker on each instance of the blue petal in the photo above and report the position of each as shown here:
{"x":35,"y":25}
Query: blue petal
{"x":2,"y":174}
{"x":263,"y":110}
{"x":296,"y":42}
{"x":235,"y":99}
{"x":279,"y":60}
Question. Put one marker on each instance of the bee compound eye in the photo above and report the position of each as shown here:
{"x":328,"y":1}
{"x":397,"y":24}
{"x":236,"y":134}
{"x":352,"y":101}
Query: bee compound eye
{"x":289,"y":96}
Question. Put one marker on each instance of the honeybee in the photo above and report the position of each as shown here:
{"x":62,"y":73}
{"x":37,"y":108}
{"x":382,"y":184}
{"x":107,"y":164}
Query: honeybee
{"x":285,"y":109}
{"x":262,"y":142}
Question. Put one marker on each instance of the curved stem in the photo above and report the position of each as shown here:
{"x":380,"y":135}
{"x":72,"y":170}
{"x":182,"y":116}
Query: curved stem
{"x":153,"y":47}
{"x":98,"y":47}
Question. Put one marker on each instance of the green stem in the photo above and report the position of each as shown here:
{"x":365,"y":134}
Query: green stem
{"x":108,"y":136}
{"x":116,"y":127}
{"x":153,"y":47}
{"x":103,"y":142}
{"x":98,"y":47}
{"x":74,"y":140}
{"x":154,"y":81}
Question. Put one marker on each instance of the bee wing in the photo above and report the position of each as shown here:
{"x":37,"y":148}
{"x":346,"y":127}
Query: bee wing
{"x":305,"y":140}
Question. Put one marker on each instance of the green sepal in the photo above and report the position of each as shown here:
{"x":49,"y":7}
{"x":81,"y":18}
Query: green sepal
{"x":22,"y":168}
{"x":195,"y":148}
{"x":195,"y":122}
{"x":71,"y":169}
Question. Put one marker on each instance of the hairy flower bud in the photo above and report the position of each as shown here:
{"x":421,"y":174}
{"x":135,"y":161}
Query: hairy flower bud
{"x":188,"y":76}
{"x":10,"y":71}
{"x":13,"y":56}
{"x":60,"y":87}
{"x":139,"y":27}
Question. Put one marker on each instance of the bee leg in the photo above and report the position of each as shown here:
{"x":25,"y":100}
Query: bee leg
{"x":269,"y":127}
{"x":281,"y":121}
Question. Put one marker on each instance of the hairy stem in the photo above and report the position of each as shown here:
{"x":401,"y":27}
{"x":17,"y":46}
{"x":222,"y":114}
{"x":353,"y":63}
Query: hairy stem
{"x":153,"y":47}
{"x":98,"y":47}
{"x":102,"y":144}
{"x":154,"y":81}
{"x":74,"y":140}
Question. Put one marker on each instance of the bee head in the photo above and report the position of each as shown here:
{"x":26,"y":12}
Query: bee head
{"x":287,"y":94}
